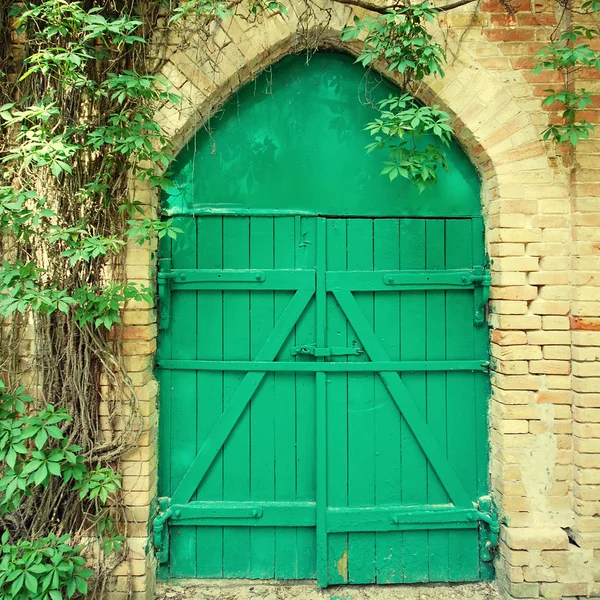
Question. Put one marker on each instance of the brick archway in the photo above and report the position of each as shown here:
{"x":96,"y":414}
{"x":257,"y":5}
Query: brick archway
{"x":527,"y":203}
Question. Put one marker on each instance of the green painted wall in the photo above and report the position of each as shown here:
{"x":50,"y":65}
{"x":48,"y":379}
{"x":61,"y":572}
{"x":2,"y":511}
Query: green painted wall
{"x":294,"y":139}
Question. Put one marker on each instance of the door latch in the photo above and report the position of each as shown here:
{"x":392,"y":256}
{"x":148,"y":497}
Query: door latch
{"x":310,"y":350}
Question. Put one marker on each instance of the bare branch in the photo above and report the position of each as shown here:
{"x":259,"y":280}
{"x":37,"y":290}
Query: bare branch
{"x":383,"y":8}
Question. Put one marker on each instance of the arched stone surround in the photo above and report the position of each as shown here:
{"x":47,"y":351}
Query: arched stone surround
{"x":527,"y":203}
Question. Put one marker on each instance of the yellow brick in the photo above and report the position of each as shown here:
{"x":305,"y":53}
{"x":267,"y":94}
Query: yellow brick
{"x":499,"y":221}
{"x":586,"y":384}
{"x":508,"y":307}
{"x":517,"y":382}
{"x":547,"y":249}
{"x":550,"y":538}
{"x":555,"y":292}
{"x":554,"y":263}
{"x":511,"y":367}
{"x":550,"y":307}
{"x":555,"y":235}
{"x":553,"y":322}
{"x":518,"y":352}
{"x":558,"y":382}
{"x":557,"y":352}
{"x":553,"y":367}
{"x":586,"y":369}
{"x":586,"y":415}
{"x":587,"y":430}
{"x":508,"y":338}
{"x":586,"y":338}
{"x":139,"y":317}
{"x":520,"y":322}
{"x":523,"y":292}
{"x":512,"y":396}
{"x":506,"y":249}
{"x":523,"y":263}
{"x":506,"y":278}
{"x":539,"y":574}
{"x":548,"y":278}
{"x":549,"y":338}
{"x":515,"y":235}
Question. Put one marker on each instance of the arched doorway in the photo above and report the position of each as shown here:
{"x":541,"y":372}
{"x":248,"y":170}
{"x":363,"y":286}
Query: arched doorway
{"x":322,"y":355}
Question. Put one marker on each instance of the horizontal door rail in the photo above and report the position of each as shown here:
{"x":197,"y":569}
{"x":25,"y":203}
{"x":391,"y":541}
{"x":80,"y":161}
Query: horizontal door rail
{"x":327,"y":367}
{"x":239,"y":279}
{"x":401,"y":518}
{"x":264,"y":514}
{"x":381,"y":281}
{"x":234,"y":211}
{"x":339,"y":520}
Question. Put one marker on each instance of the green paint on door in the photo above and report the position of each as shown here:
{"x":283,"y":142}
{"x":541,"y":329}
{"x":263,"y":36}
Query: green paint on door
{"x":323,"y":379}
{"x":295,"y":139}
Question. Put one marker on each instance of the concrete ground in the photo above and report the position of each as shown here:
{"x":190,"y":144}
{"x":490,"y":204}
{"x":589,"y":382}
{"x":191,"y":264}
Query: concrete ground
{"x":306,"y":590}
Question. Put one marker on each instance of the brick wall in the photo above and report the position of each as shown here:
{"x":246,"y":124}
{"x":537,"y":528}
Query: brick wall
{"x":542,"y":211}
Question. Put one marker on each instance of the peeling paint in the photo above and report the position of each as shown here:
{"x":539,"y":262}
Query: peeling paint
{"x":342,"y":564}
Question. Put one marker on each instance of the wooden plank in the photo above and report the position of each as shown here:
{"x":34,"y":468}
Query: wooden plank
{"x":436,"y":391}
{"x":337,"y":408}
{"x":321,"y":408}
{"x":305,"y":242}
{"x":209,"y":345}
{"x":461,"y":442}
{"x":326,"y":367}
{"x":258,"y":515}
{"x":384,"y":280}
{"x":262,"y":409}
{"x":165,"y":403}
{"x":413,"y":344}
{"x":387,"y":518}
{"x":242,"y":279}
{"x":361,"y":413}
{"x":183,"y":331}
{"x":286,"y":555}
{"x":388,"y":465}
{"x":236,"y":346}
{"x":481,"y":344}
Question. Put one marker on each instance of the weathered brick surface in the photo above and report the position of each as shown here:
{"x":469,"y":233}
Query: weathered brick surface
{"x":543,"y":232}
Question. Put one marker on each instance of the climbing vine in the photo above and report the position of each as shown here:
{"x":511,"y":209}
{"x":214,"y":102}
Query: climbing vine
{"x":77,"y":99}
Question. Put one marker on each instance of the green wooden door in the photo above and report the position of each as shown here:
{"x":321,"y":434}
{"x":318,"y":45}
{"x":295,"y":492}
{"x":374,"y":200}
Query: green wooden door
{"x":323,"y":400}
{"x":322,"y":352}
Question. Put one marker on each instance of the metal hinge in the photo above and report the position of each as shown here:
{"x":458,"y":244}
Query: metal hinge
{"x":310,"y":350}
{"x":482,"y":280}
{"x":160,"y":530}
{"x":165,"y":276}
{"x":489,"y":527}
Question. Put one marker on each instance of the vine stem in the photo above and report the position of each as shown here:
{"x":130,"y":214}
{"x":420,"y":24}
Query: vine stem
{"x":383,"y":8}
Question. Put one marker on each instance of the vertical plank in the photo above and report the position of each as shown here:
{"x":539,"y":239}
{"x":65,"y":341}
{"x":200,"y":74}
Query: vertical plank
{"x":361,"y":414}
{"x":305,"y":241}
{"x":436,"y":391}
{"x":262,"y":416}
{"x":164,"y":377}
{"x":236,"y":346}
{"x":321,"y":409}
{"x":286,"y":556}
{"x":481,"y":344}
{"x":413,"y":343}
{"x":337,"y":407}
{"x":387,"y":417}
{"x":183,"y":391}
{"x":462,"y":447}
{"x":209,"y":343}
